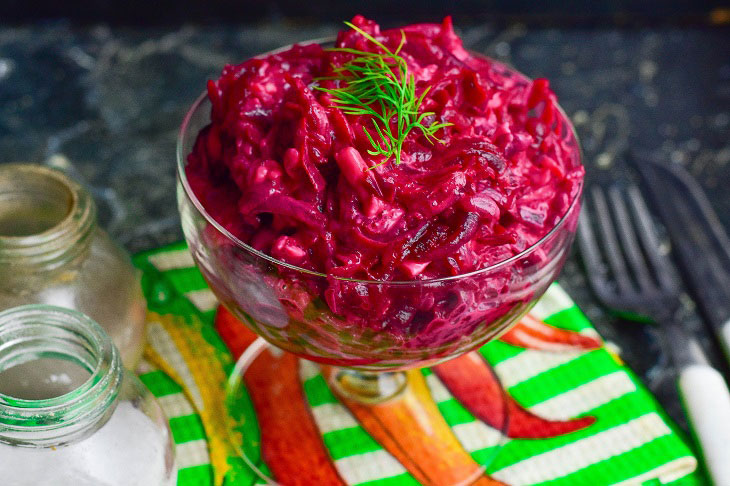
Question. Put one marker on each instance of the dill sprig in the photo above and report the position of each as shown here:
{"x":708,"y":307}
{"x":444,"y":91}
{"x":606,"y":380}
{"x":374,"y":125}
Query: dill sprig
{"x":378,"y":84}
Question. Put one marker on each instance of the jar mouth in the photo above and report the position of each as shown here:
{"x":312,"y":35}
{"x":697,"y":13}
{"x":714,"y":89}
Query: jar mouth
{"x":33,"y":332}
{"x":45,"y":217}
{"x":33,"y":202}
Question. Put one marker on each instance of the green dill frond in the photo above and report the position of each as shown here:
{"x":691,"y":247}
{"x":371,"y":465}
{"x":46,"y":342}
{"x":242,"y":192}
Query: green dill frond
{"x":378,"y":84}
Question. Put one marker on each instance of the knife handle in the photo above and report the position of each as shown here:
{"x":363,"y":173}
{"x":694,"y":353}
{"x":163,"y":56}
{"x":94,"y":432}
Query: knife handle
{"x":707,"y":403}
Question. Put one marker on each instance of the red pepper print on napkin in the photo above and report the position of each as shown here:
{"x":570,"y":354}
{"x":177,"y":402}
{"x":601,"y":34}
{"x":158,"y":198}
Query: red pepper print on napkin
{"x":290,"y":442}
{"x":475,"y":385}
{"x":532,"y":333}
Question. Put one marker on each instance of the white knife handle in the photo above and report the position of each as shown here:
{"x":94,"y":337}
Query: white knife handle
{"x":707,"y":402}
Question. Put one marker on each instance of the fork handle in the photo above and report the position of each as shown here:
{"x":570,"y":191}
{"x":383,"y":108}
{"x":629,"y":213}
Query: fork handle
{"x":707,"y":403}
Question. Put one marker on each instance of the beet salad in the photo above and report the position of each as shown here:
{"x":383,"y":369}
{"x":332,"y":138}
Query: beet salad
{"x":294,"y":164}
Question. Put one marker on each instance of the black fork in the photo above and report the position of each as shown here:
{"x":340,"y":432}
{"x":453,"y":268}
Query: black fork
{"x":629,"y":272}
{"x":631,"y":275}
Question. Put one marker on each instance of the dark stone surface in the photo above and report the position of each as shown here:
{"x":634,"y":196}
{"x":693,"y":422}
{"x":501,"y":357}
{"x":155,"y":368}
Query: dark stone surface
{"x":106,"y":104}
{"x":171,"y":12}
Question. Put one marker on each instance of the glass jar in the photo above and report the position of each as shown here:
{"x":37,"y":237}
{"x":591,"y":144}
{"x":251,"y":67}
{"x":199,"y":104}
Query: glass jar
{"x":95,"y":425}
{"x":53,"y":252}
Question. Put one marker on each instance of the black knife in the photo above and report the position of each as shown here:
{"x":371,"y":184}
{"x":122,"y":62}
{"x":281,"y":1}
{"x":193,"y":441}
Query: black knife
{"x":699,"y":240}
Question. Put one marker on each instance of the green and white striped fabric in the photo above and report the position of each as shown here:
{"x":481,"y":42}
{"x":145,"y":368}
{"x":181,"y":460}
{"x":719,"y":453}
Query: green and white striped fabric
{"x":191,"y":447}
{"x":632,"y":441}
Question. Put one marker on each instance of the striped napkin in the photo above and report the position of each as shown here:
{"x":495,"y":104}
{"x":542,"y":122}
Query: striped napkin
{"x":579,"y":416}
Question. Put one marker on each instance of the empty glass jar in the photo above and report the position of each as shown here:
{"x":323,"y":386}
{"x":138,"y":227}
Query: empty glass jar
{"x":88,"y":423}
{"x":53,"y":252}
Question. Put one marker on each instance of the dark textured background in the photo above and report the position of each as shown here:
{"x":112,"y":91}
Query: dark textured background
{"x":106,"y":102}
{"x":171,"y":12}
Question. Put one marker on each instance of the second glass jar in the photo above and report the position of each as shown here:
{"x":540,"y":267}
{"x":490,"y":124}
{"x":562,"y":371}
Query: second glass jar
{"x":86,"y":421}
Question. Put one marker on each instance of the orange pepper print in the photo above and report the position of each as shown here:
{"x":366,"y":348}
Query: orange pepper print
{"x":411,"y":428}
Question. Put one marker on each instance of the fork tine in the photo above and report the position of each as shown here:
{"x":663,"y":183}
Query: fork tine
{"x":630,"y":244}
{"x":613,"y":250}
{"x":649,"y":239}
{"x":591,"y":256}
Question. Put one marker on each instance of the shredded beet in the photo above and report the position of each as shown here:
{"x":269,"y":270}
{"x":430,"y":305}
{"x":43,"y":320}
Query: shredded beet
{"x":286,"y":171}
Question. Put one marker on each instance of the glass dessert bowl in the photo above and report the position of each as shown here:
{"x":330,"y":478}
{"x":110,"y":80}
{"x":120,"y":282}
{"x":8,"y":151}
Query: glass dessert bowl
{"x":368,"y":331}
{"x":426,"y":321}
{"x":282,"y":303}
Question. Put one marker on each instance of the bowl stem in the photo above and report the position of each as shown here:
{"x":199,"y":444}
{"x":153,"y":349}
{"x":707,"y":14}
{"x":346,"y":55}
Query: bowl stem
{"x":368,"y":387}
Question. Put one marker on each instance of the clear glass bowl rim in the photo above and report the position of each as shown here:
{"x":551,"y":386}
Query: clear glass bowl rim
{"x":182,"y":178}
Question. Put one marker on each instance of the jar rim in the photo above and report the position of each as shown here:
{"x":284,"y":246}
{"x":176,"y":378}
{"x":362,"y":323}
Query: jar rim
{"x":64,"y":239}
{"x":25,"y":333}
